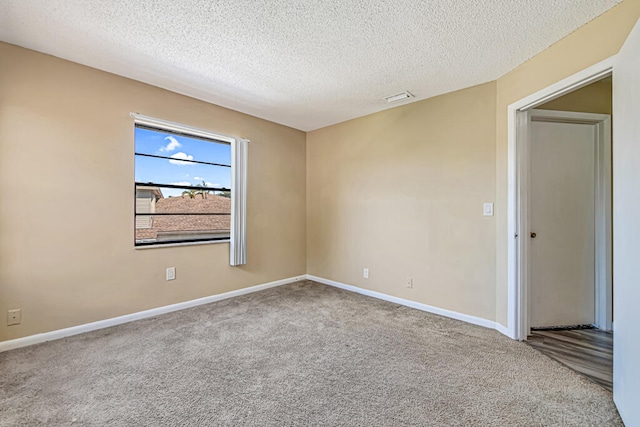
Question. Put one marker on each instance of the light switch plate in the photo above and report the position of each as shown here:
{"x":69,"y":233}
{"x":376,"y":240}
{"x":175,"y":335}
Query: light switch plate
{"x":488,"y":209}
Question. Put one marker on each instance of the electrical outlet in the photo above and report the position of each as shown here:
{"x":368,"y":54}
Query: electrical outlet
{"x":410,"y":282}
{"x":365,"y":273}
{"x":171,"y":273}
{"x":14,"y":317}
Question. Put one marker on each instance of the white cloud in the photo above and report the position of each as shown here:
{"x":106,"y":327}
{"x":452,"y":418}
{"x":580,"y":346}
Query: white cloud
{"x":172,"y":145}
{"x":181,"y":156}
{"x":198,"y":178}
{"x":187,"y":183}
{"x":212,"y":185}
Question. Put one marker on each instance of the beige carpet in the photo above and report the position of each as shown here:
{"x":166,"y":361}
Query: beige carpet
{"x":303,"y":354}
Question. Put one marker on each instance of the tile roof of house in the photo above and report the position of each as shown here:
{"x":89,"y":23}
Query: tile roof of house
{"x":190,"y":223}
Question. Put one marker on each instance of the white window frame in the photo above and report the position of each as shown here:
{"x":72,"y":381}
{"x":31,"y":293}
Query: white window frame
{"x":239,"y":155}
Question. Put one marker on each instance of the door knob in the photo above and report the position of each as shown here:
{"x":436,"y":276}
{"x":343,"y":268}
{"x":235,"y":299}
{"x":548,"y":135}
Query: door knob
{"x":533,"y":235}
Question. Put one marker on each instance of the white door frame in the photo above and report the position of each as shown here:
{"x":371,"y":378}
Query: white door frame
{"x":517,"y":209}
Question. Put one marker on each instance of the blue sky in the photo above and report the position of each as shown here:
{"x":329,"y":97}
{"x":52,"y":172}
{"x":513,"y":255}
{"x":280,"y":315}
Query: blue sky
{"x":175,"y":171}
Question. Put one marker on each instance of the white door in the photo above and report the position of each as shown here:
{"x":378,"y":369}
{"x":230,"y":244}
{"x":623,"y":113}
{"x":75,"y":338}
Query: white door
{"x":562,"y":216}
{"x":626,"y":229}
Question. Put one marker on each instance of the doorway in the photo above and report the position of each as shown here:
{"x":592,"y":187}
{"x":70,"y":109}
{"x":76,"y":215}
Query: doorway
{"x":517,"y":203}
{"x":565,"y":212}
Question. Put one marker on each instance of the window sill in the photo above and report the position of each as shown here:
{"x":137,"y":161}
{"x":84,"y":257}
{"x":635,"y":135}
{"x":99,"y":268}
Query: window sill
{"x":174,"y":245}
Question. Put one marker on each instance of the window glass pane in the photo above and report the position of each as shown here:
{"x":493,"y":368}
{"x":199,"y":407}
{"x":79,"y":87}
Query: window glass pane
{"x":163,"y":171}
{"x":160,"y":143}
{"x":164,"y":214}
{"x":182,"y":228}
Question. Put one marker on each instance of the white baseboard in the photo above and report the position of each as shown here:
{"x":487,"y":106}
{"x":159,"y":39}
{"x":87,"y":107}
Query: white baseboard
{"x":419,"y":306}
{"x":101,"y":324}
{"x":503,"y":330}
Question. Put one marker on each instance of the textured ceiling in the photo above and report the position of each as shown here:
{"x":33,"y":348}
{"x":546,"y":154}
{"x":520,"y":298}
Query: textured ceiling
{"x":305,"y":64}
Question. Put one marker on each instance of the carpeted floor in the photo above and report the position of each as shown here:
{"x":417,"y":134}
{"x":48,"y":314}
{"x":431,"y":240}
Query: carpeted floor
{"x":301,"y":354}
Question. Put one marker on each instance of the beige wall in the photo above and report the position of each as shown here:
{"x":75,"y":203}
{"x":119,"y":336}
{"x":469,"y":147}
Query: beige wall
{"x":593,"y":98}
{"x":67,"y":258}
{"x":592,"y":43}
{"x":401,"y":192}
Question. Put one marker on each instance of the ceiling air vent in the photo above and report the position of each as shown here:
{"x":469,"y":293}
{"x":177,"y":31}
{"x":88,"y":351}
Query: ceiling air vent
{"x":398,"y":97}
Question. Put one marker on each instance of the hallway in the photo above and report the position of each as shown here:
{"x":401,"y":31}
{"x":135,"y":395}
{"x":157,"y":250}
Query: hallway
{"x":586,"y":351}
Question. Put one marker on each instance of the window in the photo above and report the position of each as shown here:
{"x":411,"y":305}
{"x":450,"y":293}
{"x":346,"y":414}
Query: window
{"x":182,"y":186}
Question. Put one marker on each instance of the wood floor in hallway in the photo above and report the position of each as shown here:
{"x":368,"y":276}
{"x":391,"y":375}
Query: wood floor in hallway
{"x":586,"y":351}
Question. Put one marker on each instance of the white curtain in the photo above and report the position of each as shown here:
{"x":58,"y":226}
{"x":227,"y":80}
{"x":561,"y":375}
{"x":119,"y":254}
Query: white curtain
{"x":238,"y":245}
